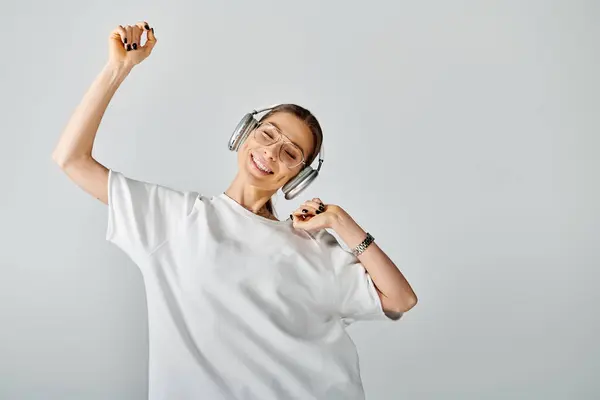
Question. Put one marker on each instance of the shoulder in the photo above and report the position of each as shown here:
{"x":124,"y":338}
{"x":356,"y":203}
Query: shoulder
{"x":126,"y":191}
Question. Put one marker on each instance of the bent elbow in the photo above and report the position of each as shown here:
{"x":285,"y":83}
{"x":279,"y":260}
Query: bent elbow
{"x":408,"y":305}
{"x":63,"y":161}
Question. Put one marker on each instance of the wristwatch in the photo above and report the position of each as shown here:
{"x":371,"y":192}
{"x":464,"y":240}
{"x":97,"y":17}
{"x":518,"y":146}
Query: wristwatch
{"x":363,"y":246}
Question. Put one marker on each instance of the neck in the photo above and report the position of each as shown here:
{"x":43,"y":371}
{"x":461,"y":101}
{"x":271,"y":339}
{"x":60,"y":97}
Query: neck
{"x":250,"y":197}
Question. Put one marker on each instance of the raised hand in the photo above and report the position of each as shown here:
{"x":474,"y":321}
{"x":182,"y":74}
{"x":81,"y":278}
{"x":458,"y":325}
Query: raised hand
{"x":125,"y":46}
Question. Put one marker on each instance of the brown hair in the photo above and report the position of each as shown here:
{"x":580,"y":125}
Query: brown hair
{"x":311,"y":121}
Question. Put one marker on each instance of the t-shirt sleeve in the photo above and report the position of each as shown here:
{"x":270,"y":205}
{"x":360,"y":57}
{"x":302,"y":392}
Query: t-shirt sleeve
{"x":142,"y":215}
{"x":356,"y":295}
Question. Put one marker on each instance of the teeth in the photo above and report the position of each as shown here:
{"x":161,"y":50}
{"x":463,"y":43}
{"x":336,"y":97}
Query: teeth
{"x":262,"y":167}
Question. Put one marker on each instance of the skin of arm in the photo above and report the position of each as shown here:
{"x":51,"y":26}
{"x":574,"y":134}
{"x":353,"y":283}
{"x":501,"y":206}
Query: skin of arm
{"x":393,"y":289}
{"x":73,"y":153}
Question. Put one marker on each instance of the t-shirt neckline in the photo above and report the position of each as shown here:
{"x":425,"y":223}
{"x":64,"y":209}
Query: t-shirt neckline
{"x":242,"y":210}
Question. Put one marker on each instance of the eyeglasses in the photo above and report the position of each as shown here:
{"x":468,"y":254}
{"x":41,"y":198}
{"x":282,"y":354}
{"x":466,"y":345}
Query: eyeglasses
{"x":290,"y":154}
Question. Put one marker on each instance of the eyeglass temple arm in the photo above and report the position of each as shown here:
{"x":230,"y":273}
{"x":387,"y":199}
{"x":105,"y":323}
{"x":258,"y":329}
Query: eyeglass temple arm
{"x":321,"y":156}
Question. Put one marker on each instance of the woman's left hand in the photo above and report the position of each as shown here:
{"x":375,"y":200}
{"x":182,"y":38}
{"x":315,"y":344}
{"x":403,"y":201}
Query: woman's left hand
{"x":314,"y":215}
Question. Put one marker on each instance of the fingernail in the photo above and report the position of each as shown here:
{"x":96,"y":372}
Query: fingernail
{"x":152,"y":30}
{"x":135,"y":46}
{"x":128,"y":47}
{"x":291,"y":217}
{"x":147,"y":27}
{"x":304,"y":210}
{"x":125,"y":41}
{"x":322,"y":207}
{"x":318,"y":211}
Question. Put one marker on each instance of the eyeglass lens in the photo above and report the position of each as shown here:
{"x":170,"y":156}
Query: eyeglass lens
{"x":290,"y":154}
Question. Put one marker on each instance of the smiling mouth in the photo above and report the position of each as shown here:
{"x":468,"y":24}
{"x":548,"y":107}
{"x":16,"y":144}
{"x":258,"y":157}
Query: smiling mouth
{"x":259,"y":167}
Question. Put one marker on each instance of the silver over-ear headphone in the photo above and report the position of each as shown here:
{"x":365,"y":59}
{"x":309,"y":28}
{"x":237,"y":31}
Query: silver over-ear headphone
{"x":295,"y":185}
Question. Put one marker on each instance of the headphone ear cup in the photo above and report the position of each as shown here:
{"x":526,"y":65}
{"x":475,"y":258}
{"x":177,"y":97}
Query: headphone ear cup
{"x":300,"y":182}
{"x":242,"y":130}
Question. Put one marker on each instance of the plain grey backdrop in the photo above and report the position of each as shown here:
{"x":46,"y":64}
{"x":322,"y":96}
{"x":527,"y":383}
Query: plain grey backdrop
{"x":463,"y":135}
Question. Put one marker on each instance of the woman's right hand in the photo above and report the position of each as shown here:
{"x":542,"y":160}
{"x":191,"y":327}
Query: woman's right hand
{"x":124,"y":44}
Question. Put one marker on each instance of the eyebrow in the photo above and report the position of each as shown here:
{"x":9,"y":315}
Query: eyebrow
{"x":281,"y":130}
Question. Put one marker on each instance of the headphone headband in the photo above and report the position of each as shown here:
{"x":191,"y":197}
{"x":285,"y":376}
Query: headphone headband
{"x":260,"y":110}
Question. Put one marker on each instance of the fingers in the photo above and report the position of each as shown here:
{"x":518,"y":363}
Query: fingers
{"x":137,"y":36}
{"x":142,"y":26}
{"x":119,"y":34}
{"x":132,"y":37}
{"x":303,"y":212}
{"x":314,"y":206}
{"x":150,"y":39}
{"x":309,"y":208}
{"x":137,"y":31}
{"x":129,"y":38}
{"x":319,"y":204}
{"x":299,"y":216}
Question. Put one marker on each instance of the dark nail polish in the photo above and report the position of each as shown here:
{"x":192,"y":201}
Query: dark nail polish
{"x":152,"y":30}
{"x":318,"y":211}
{"x":125,"y":41}
{"x":291,"y":217}
{"x":322,"y":207}
{"x":147,"y":27}
{"x":128,"y":47}
{"x":135,"y":46}
{"x":304,"y":210}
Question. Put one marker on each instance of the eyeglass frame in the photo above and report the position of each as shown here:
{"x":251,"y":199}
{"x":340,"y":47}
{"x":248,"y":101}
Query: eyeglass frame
{"x":281,"y":135}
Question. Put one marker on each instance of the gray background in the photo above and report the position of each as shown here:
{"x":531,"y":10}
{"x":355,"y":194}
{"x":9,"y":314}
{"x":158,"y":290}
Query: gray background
{"x":463,"y":135}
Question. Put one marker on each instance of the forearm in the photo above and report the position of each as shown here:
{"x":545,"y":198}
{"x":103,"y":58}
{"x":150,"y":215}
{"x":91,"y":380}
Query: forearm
{"x":79,"y":134}
{"x":385,"y":275}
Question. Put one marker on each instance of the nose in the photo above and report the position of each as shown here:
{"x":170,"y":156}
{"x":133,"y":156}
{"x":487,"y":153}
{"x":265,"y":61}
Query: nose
{"x":272,"y":151}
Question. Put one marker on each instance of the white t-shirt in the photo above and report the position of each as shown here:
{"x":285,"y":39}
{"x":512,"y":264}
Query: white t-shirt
{"x":240,"y":306}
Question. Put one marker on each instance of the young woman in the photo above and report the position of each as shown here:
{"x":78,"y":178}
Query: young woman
{"x":241,"y":305}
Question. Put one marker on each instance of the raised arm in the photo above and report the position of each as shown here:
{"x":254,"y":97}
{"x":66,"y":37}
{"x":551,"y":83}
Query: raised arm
{"x":73,"y":152}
